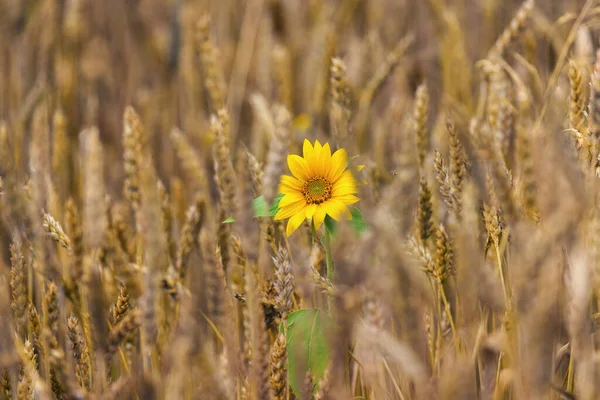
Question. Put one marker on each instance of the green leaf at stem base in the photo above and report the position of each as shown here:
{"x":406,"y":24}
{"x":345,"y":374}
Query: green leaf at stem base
{"x":308,"y":349}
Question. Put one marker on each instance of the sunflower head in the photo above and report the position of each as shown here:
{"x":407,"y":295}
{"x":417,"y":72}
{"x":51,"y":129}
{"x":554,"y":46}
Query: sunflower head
{"x":320,"y":185}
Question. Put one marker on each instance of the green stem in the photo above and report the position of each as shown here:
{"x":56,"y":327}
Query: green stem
{"x":329,"y":261}
{"x":328,"y":255}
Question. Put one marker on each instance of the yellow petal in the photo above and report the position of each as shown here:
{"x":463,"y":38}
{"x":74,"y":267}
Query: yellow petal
{"x":346,"y":179}
{"x":345,"y":212}
{"x":285,"y":189}
{"x":343,"y":190}
{"x":347,"y":199}
{"x":318,"y":147}
{"x":291,"y":181}
{"x":345,"y":185}
{"x":298,"y":167}
{"x":290,"y":210}
{"x":310,"y":210}
{"x":310,"y":156}
{"x":324,"y":163}
{"x":289,"y":199}
{"x":307,"y":149}
{"x":290,"y":185}
{"x":334,"y":208}
{"x":294,"y":223}
{"x":326,"y":151}
{"x":348,"y":214}
{"x":319,"y":216}
{"x":339,"y":159}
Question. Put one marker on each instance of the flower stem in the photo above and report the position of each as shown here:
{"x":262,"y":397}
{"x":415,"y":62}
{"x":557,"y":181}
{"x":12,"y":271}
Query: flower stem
{"x":328,"y":255}
{"x":329,"y":260}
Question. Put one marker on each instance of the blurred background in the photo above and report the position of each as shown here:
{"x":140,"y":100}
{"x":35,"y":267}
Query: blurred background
{"x":471,"y":118}
{"x":89,"y":59}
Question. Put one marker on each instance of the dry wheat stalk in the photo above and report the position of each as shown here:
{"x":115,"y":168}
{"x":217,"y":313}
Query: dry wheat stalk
{"x":495,"y":306}
{"x":458,"y":161}
{"x":317,"y":255}
{"x":190,"y":160}
{"x":577,"y":106}
{"x":376,"y":82}
{"x":515,"y":27}
{"x":75,"y":232}
{"x":224,"y":172}
{"x":94,"y":221}
{"x":80,"y":352}
{"x":51,"y":319}
{"x":62,"y":382}
{"x":25,"y":386}
{"x":423,"y":255}
{"x":155,"y":257}
{"x":324,"y":385}
{"x":256,"y":342}
{"x":226,"y":322}
{"x":36,"y":327}
{"x":238,"y":267}
{"x":594,"y":105}
{"x":444,"y":259}
{"x":322,"y":51}
{"x":178,"y":200}
{"x":55,"y":231}
{"x":321,"y":281}
{"x":121,"y":307}
{"x":166,"y":218}
{"x":282,"y":68}
{"x":256,"y":173}
{"x":132,"y":150}
{"x":189,"y":236}
{"x":420,"y":123}
{"x":18,"y":287}
{"x":39,"y":161}
{"x":278,"y":148}
{"x":284,"y":283}
{"x":6,"y":155}
{"x":6,"y":385}
{"x":529,"y":181}
{"x":215,"y":274}
{"x":278,"y":370}
{"x":52,"y":312}
{"x":447,"y":190}
{"x":128,"y":325}
{"x":212,"y":71}
{"x":341,"y":102}
{"x":424,"y":211}
{"x":60,"y":150}
{"x":223,"y":234}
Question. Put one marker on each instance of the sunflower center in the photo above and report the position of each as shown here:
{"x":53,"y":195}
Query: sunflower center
{"x":316,"y":190}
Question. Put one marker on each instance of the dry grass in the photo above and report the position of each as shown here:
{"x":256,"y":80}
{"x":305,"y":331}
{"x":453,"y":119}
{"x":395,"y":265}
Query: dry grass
{"x":134,"y":136}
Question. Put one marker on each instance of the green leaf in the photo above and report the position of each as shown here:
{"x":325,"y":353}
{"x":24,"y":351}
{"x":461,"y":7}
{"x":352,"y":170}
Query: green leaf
{"x":308,"y":349}
{"x":358,"y":221}
{"x":275,"y":206}
{"x":228,"y":220}
{"x":260,"y":207}
{"x":330,"y":224}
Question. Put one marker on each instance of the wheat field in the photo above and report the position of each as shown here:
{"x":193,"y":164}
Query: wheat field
{"x":142,"y":146}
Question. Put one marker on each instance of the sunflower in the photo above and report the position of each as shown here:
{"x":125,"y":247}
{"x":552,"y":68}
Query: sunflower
{"x":321,"y":185}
